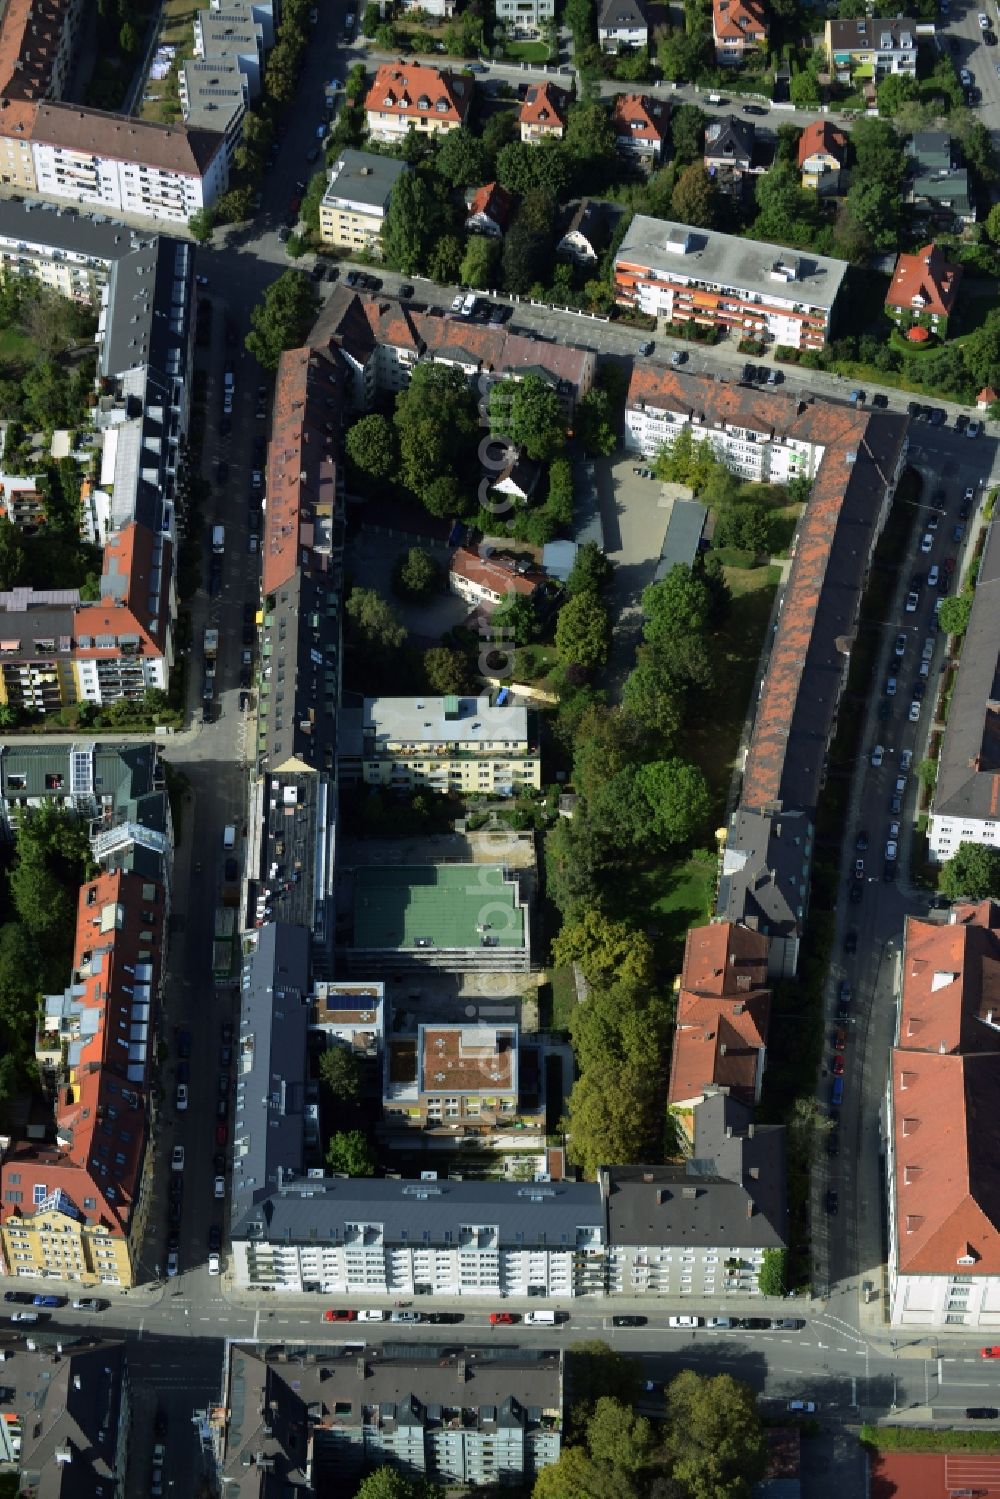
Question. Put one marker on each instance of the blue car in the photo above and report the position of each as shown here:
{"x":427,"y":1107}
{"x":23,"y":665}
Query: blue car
{"x":48,"y":1301}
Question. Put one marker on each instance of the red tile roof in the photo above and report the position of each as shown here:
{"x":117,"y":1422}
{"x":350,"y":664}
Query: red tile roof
{"x":926,"y":275}
{"x":945,"y":1076}
{"x":640,"y":117}
{"x":401,"y":89}
{"x":495,"y":202}
{"x":738,"y":18}
{"x":301,"y":467}
{"x":135,"y":602}
{"x":723,"y":1012}
{"x":101,"y":1114}
{"x":30,"y":37}
{"x":546,"y":105}
{"x":820,"y":138}
{"x":496,"y":576}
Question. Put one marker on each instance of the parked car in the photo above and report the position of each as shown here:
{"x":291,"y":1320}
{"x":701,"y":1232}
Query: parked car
{"x":502,"y":1319}
{"x":628,"y":1321}
{"x":214,"y":1265}
{"x":803,"y":1407}
{"x":900,"y":646}
{"x":343,"y":1314}
{"x":43,"y":1299}
{"x":926,"y":542}
{"x":177,"y":1158}
{"x":683,"y":1321}
{"x":89,"y":1304}
{"x":878,"y":754}
{"x":832,"y":1202}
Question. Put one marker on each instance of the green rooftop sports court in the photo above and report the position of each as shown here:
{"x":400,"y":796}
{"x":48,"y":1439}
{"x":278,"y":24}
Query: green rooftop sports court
{"x":422,"y":908}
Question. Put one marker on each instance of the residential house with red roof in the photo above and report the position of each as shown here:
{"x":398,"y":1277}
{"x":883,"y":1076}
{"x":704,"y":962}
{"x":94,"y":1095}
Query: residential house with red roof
{"x":491,"y":208}
{"x":640,"y":125}
{"x":77,"y":1208}
{"x":544,"y":113}
{"x":923,"y":291}
{"x":483,"y":582}
{"x":723,"y":1012}
{"x":739,"y":29}
{"x":822,"y":152}
{"x":414,"y":96}
{"x":943,"y":1159}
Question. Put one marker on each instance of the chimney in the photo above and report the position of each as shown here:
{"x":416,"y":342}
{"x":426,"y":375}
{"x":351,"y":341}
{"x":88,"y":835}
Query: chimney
{"x":749,"y":1207}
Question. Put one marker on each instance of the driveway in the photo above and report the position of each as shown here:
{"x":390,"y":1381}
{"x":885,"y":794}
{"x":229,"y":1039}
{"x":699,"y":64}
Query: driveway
{"x":634,"y":514}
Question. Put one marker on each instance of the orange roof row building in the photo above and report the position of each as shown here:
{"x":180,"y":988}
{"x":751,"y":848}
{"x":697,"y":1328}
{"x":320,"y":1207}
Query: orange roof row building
{"x":75,"y":1209}
{"x":413,"y":96}
{"x":943,"y":1160}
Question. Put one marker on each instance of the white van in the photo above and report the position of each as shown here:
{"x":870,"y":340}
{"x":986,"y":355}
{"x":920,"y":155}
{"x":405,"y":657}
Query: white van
{"x":229,"y":837}
{"x":371,"y":1316}
{"x":540,"y":1319}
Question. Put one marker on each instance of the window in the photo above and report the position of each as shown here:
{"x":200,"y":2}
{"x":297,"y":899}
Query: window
{"x":39,"y":1194}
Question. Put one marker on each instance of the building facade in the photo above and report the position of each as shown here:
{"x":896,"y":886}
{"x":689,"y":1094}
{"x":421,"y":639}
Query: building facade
{"x":544,"y":113}
{"x":524,"y":18}
{"x":413,"y":96}
{"x":869,"y":49}
{"x":739,"y":30}
{"x":622,"y":26}
{"x":356,"y":200}
{"x":718,"y":280}
{"x":457,"y":744}
{"x":640,"y":125}
{"x":943,"y":1134}
{"x":923,"y":293}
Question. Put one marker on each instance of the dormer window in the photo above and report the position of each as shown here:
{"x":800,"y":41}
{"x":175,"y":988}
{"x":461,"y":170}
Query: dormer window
{"x":423,"y":102}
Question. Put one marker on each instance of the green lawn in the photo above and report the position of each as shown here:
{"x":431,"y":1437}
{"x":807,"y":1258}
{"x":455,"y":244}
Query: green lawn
{"x":563,"y":997}
{"x":527,"y":51}
{"x":16,"y":349}
{"x":665,"y":901}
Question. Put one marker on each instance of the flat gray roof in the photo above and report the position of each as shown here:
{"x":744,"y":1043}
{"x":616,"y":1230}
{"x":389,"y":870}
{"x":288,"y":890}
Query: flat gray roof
{"x":440,"y":720}
{"x":684,"y":532}
{"x":363,"y":177}
{"x":726,"y":260}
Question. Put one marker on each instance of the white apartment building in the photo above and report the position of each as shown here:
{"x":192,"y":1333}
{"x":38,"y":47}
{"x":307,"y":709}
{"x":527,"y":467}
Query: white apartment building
{"x":369,"y":1237}
{"x":766,"y":436}
{"x":129,"y":166}
{"x":967,"y":794}
{"x":524,"y":18}
{"x":462,"y":744}
{"x":743,"y":286}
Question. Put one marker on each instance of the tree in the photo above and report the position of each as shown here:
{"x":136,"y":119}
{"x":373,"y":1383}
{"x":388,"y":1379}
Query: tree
{"x":678,"y":605}
{"x":784,"y":210}
{"x":981,"y":350}
{"x":481,"y":262}
{"x":373,"y":626}
{"x":746,"y":526}
{"x":515,"y":619}
{"x":447,"y":671}
{"x":714,"y":1435}
{"x":283,"y":319}
{"x":804,"y":90}
{"x":528,"y":412}
{"x":461,"y":159}
{"x":546,"y":168}
{"x":582,"y":632}
{"x":687,"y":131}
{"x":895,"y":91}
{"x":772,"y":1279}
{"x":955,"y":612}
{"x":591,"y":571}
{"x":682,"y":55}
{"x":875,"y":207}
{"x":340,"y":1072}
{"x":128,"y":40}
{"x":579,"y":17}
{"x":619,"y":1437}
{"x":608,"y":1116}
{"x":436,"y":425}
{"x":417,"y":575}
{"x":686,"y":663}
{"x":650,"y":695}
{"x":596,"y":422}
{"x":973,"y":871}
{"x":606,"y":950}
{"x":878,"y":151}
{"x":311,"y":200}
{"x":678,"y":800}
{"x":371,"y":446}
{"x":694,"y":199}
{"x":350,"y":1153}
{"x":445,"y":259}
{"x":993,"y":223}
{"x":411,"y":225}
{"x":389,"y":1483}
{"x":13,"y":554}
{"x":200,"y":225}
{"x":42,"y":903}
{"x":527,"y":248}
{"x":443,"y":497}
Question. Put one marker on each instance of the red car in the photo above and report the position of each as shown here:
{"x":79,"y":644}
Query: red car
{"x":838,"y":1066}
{"x":502,"y":1319}
{"x":949,"y":564}
{"x":840,"y":1039}
{"x":330,"y":1315}
{"x":990,"y":1353}
{"x":221,"y":1133}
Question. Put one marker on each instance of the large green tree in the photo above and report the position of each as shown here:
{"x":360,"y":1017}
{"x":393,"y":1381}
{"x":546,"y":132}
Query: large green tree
{"x":371,"y":446}
{"x":972,"y":872}
{"x":955,"y":613}
{"x":606,"y":950}
{"x":436,"y":425}
{"x":715,"y":1437}
{"x":283,"y":319}
{"x":481,"y":262}
{"x":687,"y":132}
{"x":351,"y":1152}
{"x":340,"y":1072}
{"x":412,"y":223}
{"x":461,"y":158}
{"x":680,"y":604}
{"x":372,"y":626}
{"x":529,"y":413}
{"x":695,"y":199}
{"x":582,"y":632}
